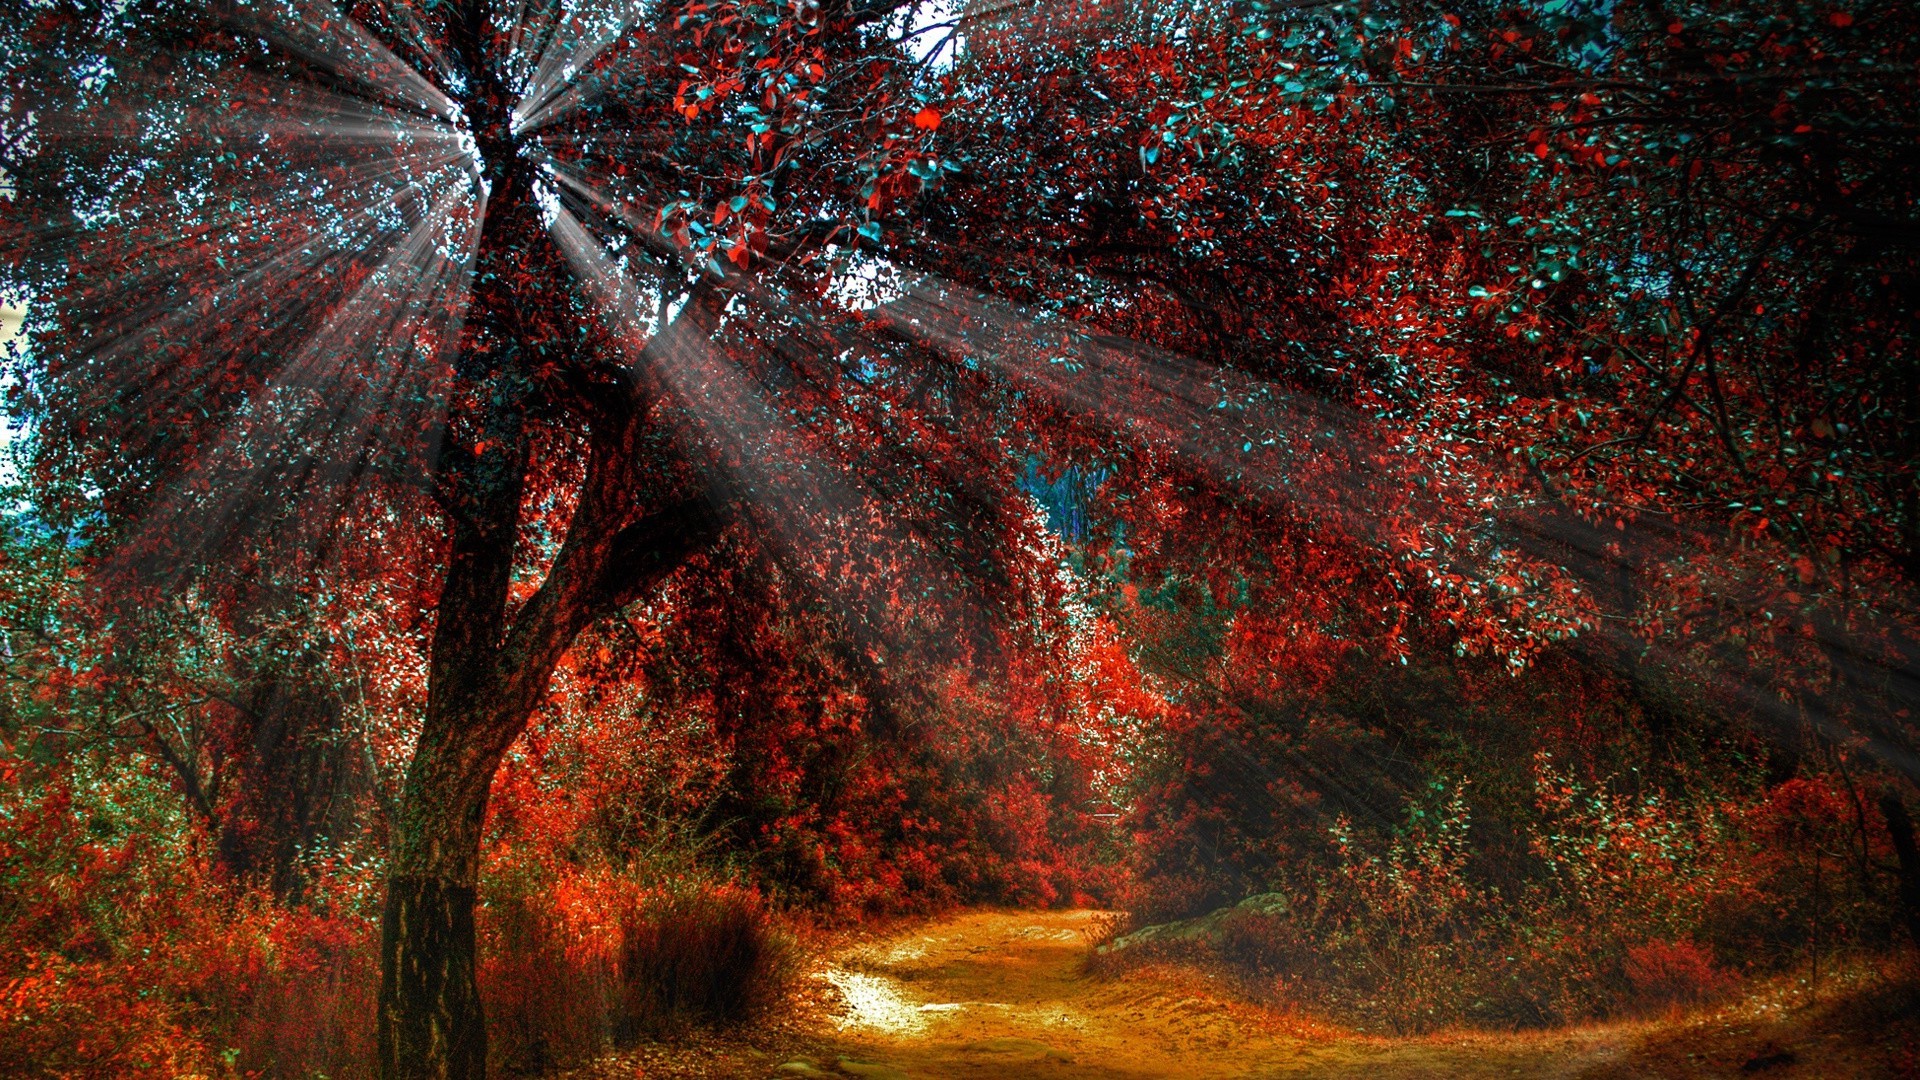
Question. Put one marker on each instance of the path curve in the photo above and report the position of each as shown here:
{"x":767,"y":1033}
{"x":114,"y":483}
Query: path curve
{"x":1006,"y":994}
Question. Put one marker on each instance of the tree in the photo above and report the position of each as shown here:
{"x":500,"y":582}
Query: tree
{"x":427,"y":163}
{"x":548,"y":300}
{"x":1548,"y":281}
{"x":1571,"y":278}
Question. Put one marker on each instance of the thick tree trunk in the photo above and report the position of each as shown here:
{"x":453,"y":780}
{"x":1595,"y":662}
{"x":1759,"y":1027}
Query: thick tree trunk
{"x":430,"y":1021}
{"x":430,"y":1004}
{"x":490,"y":666}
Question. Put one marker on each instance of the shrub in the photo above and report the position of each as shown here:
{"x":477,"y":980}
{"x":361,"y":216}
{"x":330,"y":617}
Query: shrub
{"x":76,"y":1020}
{"x":122,"y":952}
{"x":546,"y":981}
{"x":706,"y":955}
{"x":290,"y":993}
{"x":1667,"y":973}
{"x":1622,"y":903}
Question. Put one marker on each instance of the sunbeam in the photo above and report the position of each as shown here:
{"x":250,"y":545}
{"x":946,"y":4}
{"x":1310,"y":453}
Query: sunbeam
{"x":1313,"y":538}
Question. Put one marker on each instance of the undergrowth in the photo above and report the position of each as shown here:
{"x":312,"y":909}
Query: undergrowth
{"x":123,"y":952}
{"x":1619,"y":905}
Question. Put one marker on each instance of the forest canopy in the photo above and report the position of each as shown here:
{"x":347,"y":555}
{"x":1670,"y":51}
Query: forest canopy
{"x":483,"y":473}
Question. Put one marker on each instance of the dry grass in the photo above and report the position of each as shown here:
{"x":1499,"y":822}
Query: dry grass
{"x":701,"y":957}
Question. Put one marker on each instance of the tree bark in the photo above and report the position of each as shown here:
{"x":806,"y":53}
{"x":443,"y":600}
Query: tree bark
{"x":431,"y":1020}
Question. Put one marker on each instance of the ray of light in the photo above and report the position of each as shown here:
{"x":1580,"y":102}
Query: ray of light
{"x":225,"y":266}
{"x":318,"y":32}
{"x":833,"y":528}
{"x":366,"y":379}
{"x":1274,"y":446}
{"x":264,"y":297}
{"x":555,"y":87}
{"x":304,"y":252}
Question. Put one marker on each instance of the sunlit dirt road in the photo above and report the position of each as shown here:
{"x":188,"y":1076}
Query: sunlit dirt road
{"x":987,"y":995}
{"x":1005,"y":994}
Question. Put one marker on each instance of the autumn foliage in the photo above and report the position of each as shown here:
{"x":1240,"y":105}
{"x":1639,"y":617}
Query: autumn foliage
{"x":767,"y":466}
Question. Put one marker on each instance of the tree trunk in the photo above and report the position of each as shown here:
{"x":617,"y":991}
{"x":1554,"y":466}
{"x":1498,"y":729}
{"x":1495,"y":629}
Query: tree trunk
{"x":489,"y":668}
{"x":484,"y":689}
{"x":1900,"y":830}
{"x":432,"y":1023}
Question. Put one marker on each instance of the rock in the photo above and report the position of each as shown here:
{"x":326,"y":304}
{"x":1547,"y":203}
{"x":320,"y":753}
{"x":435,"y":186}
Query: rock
{"x":1204,"y":930}
{"x":870,"y":1070}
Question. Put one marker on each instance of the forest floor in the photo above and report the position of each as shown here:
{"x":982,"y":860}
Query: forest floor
{"x":1006,"y":995}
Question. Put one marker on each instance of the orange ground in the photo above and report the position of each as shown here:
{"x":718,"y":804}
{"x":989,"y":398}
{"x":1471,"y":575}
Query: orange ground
{"x":1004,"y":994}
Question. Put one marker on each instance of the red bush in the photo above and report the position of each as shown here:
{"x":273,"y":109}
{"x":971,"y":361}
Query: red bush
{"x":546,"y":981}
{"x":1666,"y":973}
{"x":123,"y":952}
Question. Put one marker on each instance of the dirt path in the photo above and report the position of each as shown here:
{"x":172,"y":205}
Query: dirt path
{"x":1005,"y":995}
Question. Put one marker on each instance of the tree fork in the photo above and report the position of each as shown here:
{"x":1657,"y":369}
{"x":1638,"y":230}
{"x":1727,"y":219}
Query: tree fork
{"x":489,"y":670}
